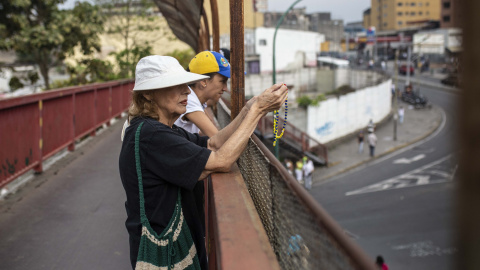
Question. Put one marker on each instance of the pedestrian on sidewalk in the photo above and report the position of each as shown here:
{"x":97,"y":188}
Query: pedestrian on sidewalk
{"x":299,"y":171}
{"x":401,"y":114}
{"x":372,"y":141}
{"x":308,"y":169}
{"x":289,"y":166}
{"x":371,"y":125}
{"x":360,"y":138}
{"x":380,"y":262}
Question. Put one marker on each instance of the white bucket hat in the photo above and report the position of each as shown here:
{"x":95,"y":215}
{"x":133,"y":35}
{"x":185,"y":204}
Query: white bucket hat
{"x":155,"y":72}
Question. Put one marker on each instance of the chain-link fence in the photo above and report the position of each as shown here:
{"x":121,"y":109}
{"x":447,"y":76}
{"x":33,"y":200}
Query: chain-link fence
{"x":300,"y":238}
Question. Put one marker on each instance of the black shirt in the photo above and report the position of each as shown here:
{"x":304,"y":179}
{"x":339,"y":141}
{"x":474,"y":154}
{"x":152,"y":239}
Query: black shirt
{"x":170,"y":158}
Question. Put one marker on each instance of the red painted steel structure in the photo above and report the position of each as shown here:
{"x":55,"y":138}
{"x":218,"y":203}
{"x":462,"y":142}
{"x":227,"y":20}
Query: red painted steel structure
{"x":35,"y":127}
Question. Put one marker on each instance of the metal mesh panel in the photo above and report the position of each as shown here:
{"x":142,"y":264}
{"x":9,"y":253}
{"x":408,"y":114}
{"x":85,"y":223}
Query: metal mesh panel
{"x":297,"y":239}
{"x":294,"y":232}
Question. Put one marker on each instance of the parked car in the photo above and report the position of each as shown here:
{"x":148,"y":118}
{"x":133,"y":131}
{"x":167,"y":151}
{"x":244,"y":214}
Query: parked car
{"x":403,"y":69}
{"x":415,"y":98}
{"x":451,"y":79}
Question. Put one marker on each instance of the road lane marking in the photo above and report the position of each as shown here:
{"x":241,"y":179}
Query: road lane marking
{"x":417,"y":177}
{"x":424,"y":249}
{"x":409,"y":160}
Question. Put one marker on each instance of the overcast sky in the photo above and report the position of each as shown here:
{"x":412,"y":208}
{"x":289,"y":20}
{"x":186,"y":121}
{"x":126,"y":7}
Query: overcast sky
{"x":347,"y":10}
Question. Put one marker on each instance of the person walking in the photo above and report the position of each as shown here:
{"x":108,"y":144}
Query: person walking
{"x":308,"y":169}
{"x":372,"y":141}
{"x":299,"y":171}
{"x":401,"y":114}
{"x":360,"y":138}
{"x":380,"y":262}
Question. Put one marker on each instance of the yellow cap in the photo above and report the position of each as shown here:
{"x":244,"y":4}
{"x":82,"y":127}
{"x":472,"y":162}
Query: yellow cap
{"x":209,"y":62}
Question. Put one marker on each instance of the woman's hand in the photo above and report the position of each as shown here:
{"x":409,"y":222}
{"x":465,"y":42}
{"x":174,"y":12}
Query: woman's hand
{"x":272,"y":98}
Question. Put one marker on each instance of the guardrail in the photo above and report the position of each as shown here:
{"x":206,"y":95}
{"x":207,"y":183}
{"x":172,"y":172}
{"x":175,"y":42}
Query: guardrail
{"x":37,"y":126}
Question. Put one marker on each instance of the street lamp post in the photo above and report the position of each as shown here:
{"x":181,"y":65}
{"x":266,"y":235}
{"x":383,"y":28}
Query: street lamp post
{"x":274,"y":78}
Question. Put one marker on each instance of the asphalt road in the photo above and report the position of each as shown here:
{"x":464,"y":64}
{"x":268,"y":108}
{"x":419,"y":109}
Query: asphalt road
{"x":401,"y":206}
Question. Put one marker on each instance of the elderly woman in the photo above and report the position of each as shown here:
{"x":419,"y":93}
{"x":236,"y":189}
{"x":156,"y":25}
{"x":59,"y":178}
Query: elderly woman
{"x":160,"y":164}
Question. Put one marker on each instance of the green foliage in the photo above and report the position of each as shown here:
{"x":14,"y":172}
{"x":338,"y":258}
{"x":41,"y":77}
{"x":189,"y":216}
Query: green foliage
{"x":40,"y":31}
{"x":136,"y":24}
{"x":15,"y":83}
{"x":183,"y":57}
{"x":342,"y":90}
{"x":127,"y":59}
{"x":305,"y":101}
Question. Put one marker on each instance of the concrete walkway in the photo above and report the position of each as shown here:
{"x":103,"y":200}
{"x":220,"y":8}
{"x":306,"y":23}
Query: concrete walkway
{"x":417,"y":125}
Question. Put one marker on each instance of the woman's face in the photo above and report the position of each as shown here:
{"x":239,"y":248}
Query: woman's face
{"x":216,"y":86}
{"x":172,"y":101}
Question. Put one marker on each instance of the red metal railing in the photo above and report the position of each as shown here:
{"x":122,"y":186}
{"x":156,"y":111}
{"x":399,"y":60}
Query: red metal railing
{"x":35,"y":127}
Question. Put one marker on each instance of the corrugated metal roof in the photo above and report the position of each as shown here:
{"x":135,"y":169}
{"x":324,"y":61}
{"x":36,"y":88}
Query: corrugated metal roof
{"x":183,"y":17}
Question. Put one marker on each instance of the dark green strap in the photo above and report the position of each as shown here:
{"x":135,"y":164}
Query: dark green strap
{"x":143,"y":216}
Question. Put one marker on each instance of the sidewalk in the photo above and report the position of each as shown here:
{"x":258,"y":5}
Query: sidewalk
{"x":417,"y":125}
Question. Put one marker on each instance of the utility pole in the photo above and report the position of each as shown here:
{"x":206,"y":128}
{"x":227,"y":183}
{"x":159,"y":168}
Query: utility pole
{"x":274,"y":78}
{"x":395,"y":98}
{"x":409,"y":57}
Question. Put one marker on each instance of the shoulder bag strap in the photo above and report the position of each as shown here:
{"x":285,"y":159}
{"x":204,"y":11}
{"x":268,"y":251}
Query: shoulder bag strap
{"x":143,"y":215}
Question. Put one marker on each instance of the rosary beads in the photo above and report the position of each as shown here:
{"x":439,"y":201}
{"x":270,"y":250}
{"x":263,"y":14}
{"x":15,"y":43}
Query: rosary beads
{"x":276,"y":117}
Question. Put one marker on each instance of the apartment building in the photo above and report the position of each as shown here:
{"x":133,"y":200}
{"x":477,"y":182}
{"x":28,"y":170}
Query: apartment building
{"x":400,"y":14}
{"x":450,"y":14}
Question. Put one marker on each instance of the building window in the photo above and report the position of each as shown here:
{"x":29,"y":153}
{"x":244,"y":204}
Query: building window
{"x":420,"y":4}
{"x":384,"y":15}
{"x":263,"y":42}
{"x":400,"y":23}
{"x":420,"y":13}
{"x":428,"y":12}
{"x":399,"y":13}
{"x":385,"y":24}
{"x":412,"y":13}
{"x":427,"y":4}
{"x":412,"y":4}
{"x":399,"y":4}
{"x":446,"y":18}
{"x":446,"y":4}
{"x":385,"y":6}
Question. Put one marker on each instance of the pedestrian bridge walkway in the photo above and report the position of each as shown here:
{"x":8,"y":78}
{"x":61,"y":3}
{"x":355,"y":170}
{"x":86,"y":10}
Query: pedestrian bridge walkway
{"x":72,"y":215}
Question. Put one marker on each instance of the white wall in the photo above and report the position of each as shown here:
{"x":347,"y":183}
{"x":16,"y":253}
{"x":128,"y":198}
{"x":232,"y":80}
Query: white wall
{"x":288,"y":43}
{"x":337,"y":117}
{"x":303,"y":79}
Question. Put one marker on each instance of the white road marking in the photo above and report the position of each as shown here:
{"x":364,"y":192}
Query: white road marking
{"x":413,"y":178}
{"x":424,"y":249}
{"x":409,"y":160}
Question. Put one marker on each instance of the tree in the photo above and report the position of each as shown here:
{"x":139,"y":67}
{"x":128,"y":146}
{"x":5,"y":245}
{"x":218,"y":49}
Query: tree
{"x":39,"y":29}
{"x":135,"y":22}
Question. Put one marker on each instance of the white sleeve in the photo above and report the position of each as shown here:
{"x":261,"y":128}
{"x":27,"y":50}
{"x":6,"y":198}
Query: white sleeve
{"x":193,"y":104}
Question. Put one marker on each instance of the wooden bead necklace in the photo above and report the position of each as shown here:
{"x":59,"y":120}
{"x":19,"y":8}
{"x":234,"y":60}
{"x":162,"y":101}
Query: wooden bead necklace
{"x":276,"y":117}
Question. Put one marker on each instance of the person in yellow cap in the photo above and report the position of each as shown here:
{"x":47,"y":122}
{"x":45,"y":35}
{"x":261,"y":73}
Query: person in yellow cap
{"x":216,"y":67}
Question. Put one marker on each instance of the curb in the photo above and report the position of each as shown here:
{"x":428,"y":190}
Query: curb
{"x":389,"y":151}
